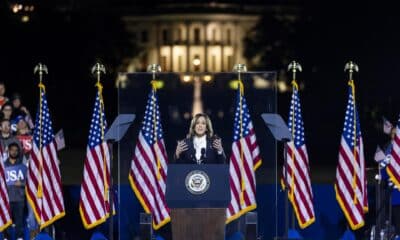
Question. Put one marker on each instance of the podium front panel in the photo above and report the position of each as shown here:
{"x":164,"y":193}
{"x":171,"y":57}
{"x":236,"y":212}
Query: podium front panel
{"x":217,"y":195}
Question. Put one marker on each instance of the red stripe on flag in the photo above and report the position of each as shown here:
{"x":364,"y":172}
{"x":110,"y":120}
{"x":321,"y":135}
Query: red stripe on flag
{"x":348,"y":208}
{"x":349,"y":165}
{"x":146,"y":177}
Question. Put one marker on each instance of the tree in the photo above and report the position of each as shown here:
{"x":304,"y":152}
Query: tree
{"x":272,"y":42}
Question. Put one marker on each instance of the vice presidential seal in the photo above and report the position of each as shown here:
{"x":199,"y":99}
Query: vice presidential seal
{"x":197,"y":182}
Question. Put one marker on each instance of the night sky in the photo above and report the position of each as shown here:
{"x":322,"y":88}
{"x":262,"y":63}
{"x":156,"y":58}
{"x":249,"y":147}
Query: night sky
{"x":70,"y":40}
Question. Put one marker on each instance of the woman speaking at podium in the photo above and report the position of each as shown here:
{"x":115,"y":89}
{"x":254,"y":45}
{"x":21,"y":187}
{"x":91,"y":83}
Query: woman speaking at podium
{"x":201,"y":146}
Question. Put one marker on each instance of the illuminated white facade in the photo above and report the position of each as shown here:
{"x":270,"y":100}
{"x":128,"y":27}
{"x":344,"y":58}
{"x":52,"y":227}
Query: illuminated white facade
{"x":175,"y":40}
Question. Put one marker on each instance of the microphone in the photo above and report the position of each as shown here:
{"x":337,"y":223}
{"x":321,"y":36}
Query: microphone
{"x":203,"y":153}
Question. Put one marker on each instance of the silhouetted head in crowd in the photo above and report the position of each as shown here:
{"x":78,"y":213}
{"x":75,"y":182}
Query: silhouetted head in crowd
{"x":13,"y":152}
{"x":7,"y":110}
{"x":16,"y":100}
{"x":2,"y":89}
{"x":5,"y":128}
{"x":18,"y":108}
{"x":22,"y":127}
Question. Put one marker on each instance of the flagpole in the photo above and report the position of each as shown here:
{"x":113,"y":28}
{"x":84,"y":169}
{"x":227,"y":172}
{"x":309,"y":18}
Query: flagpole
{"x":41,"y":69}
{"x":240,"y":68}
{"x":154,"y":69}
{"x":294,"y":67}
{"x":97,"y":70}
{"x":351,"y":67}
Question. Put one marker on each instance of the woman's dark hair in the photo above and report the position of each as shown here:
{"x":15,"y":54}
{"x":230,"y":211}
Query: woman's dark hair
{"x":209,"y":128}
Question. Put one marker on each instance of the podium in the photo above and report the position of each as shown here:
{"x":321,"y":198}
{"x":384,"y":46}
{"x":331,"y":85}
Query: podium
{"x":198,"y":196}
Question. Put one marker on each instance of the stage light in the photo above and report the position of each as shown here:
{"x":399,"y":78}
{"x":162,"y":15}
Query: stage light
{"x":15,"y":8}
{"x":121,"y":81}
{"x":282,"y":87}
{"x":261,"y":83}
{"x":186,"y":115}
{"x":196,"y":61}
{"x":207,"y":78}
{"x":22,"y":11}
{"x":186,"y":78}
{"x":25,"y":19}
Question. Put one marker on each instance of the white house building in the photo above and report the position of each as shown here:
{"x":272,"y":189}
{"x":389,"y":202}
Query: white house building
{"x":185,"y":42}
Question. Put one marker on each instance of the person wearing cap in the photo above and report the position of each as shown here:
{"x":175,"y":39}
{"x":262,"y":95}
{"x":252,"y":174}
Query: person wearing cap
{"x":24,"y":136}
{"x":21,"y":127}
{"x":20,"y":110}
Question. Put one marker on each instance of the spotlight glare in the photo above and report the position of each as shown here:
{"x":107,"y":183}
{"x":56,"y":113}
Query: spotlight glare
{"x":207,"y":78}
{"x":186,"y":78}
{"x":15,"y":9}
{"x":25,"y":19}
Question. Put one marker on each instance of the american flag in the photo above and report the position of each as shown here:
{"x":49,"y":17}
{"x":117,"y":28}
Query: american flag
{"x":5,"y":213}
{"x":351,"y":183}
{"x":393,"y":168}
{"x":244,"y":160}
{"x":43,"y":187}
{"x":296,"y":173}
{"x":94,"y":204}
{"x":148,"y":171}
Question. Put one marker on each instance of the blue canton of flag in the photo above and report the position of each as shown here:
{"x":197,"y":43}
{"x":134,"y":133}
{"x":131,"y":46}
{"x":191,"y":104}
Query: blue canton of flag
{"x":298,"y":136}
{"x":98,"y":121}
{"x":43,"y":120}
{"x":348,"y":129}
{"x":149,"y":117}
{"x":245,"y":115}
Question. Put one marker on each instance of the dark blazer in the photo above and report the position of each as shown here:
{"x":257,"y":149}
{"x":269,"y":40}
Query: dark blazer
{"x":211,"y":155}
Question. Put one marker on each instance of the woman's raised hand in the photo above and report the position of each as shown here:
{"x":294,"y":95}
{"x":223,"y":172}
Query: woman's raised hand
{"x":217,"y":144}
{"x":181,"y":147}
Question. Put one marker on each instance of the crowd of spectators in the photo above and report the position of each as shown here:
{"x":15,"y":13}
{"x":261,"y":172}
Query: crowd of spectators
{"x":16,"y":127}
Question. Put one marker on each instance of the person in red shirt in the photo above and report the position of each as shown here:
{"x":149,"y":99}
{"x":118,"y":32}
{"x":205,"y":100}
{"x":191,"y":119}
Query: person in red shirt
{"x":3,"y":98}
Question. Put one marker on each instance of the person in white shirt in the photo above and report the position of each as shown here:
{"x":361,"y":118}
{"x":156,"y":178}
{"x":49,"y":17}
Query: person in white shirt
{"x":201,"y":146}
